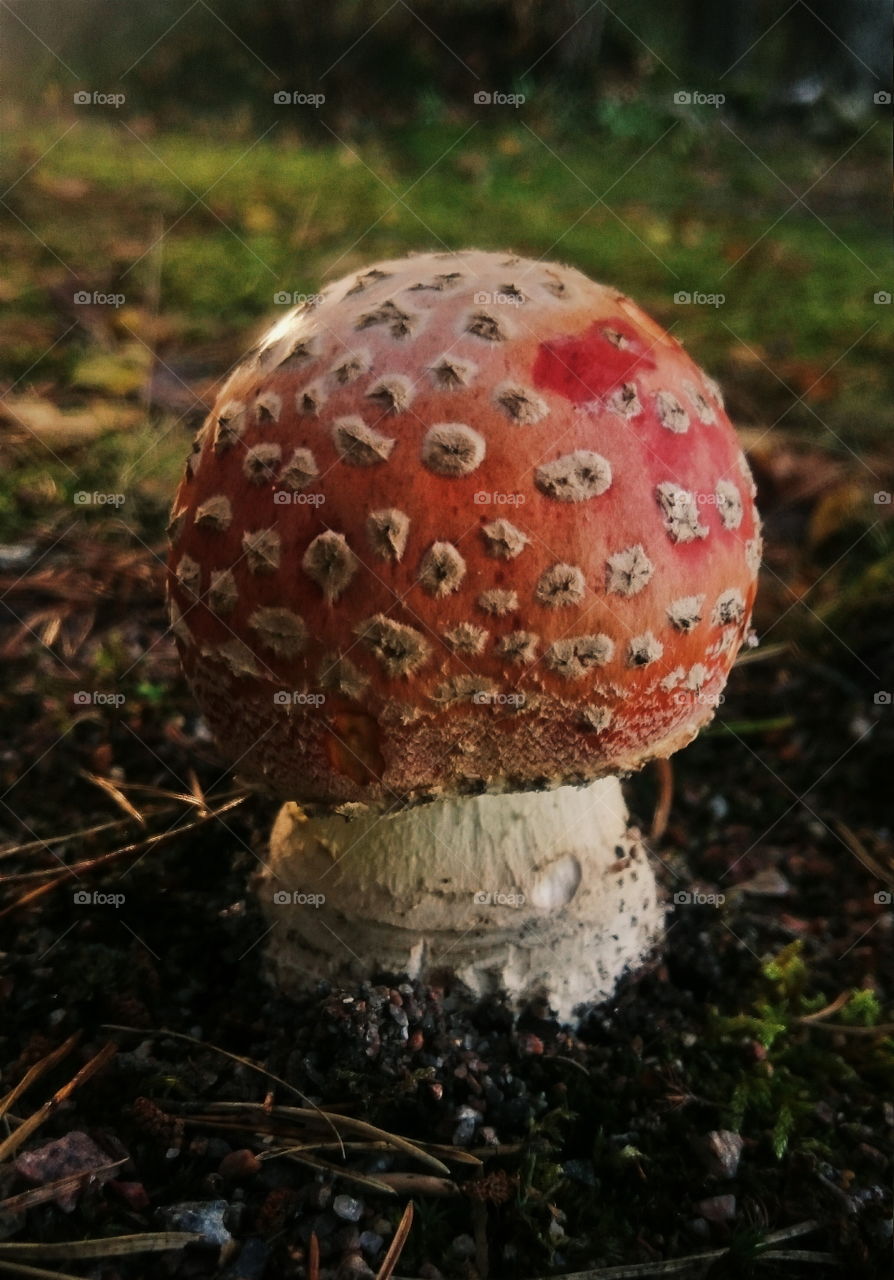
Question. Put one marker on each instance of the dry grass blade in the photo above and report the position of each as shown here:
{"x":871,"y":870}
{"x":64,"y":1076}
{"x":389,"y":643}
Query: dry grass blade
{"x":882,"y":872}
{"x":456,"y":1155}
{"x":33,"y":895}
{"x":764,"y":654}
{"x":838,"y":1003}
{"x":801,"y":1255}
{"x":59,"y":875}
{"x":35,"y":1072}
{"x":10,"y":851}
{"x":421,"y":1184}
{"x":301,"y":1156}
{"x":116,"y":794}
{"x":360,"y":1127}
{"x":49,"y":1190}
{"x":243,"y":1062}
{"x":396,"y":1248}
{"x":110,"y":1247}
{"x":846,"y":1029}
{"x":695,"y":1263}
{"x":24,"y":1131}
{"x":792,"y":1232}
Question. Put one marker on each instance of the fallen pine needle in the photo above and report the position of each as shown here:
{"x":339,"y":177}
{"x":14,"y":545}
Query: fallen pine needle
{"x":43,"y":1113}
{"x":109,"y":1247}
{"x":360,"y":1127}
{"x":35,"y":1072}
{"x":49,"y":1190}
{"x":396,"y":1248}
{"x":234,"y":1057}
{"x":62,"y":874}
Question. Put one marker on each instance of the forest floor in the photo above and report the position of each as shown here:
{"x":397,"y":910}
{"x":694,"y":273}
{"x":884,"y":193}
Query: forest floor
{"x":734,"y":1106}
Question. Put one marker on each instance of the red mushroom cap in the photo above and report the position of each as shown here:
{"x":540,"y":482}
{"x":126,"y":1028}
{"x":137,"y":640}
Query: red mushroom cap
{"x":470,"y":522}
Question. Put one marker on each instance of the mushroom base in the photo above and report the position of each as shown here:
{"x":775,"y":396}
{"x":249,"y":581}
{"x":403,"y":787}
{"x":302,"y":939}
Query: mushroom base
{"x":539,"y":894}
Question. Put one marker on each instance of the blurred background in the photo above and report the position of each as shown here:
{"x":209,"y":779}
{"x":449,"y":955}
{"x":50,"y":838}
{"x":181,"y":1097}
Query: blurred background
{"x":174,"y":172}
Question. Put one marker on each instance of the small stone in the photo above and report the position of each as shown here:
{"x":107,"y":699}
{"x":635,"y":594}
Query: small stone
{"x":769,"y":883}
{"x":463,"y":1247}
{"x":204,"y":1217}
{"x":133,"y":1194}
{"x":239,"y":1165}
{"x":717,"y":1208}
{"x":353,"y":1266}
{"x":75,"y":1153}
{"x":468,"y":1118}
{"x":371,"y":1242}
{"x":319,"y":1196}
{"x":347,"y":1208}
{"x":723,"y":1149}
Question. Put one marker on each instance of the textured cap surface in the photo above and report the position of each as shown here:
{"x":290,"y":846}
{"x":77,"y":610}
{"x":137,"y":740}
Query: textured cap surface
{"x":471,"y":522}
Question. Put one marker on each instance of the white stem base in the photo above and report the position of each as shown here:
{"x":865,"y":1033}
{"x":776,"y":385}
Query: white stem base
{"x":539,"y":894}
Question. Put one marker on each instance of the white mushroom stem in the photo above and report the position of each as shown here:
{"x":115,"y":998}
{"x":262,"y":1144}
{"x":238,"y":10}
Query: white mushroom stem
{"x":539,"y":894}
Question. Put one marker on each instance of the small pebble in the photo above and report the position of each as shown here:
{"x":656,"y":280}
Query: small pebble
{"x":348,"y":1208}
{"x":371,"y":1242}
{"x":468,"y":1118}
{"x":769,"y":883}
{"x":238,"y":1166}
{"x":463,"y":1247}
{"x":723,"y":1150}
{"x":205,"y":1217}
{"x":718,"y":1208}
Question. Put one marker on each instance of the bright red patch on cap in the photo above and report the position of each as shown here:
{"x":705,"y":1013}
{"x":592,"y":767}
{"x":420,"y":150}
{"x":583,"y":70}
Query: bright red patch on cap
{"x":589,"y":365}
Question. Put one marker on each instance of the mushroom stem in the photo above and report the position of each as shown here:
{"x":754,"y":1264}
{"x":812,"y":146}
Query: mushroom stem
{"x":540,"y":894}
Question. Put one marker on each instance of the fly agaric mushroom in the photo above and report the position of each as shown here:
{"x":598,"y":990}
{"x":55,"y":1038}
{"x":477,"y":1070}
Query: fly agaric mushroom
{"x":472,"y":530}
